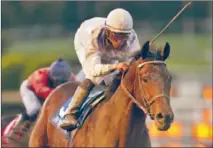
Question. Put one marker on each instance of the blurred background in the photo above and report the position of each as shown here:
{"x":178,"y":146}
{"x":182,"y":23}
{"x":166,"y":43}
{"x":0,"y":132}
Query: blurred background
{"x":35,"y":33}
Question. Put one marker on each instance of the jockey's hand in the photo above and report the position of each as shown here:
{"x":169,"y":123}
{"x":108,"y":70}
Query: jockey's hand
{"x":123,"y":66}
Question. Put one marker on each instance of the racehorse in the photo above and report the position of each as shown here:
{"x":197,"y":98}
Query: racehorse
{"x":9,"y":123}
{"x":119,"y":120}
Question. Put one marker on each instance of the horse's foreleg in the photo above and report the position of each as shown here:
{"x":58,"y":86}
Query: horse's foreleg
{"x":38,"y":136}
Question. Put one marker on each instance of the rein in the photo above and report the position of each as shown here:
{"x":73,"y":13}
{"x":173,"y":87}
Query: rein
{"x":148,"y":104}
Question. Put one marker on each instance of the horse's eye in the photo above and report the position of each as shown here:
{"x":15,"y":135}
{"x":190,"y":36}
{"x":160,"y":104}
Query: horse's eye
{"x":145,"y":80}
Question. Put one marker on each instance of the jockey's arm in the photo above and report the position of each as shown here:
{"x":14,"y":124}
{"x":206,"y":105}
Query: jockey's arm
{"x":92,"y":63}
{"x":94,"y":66}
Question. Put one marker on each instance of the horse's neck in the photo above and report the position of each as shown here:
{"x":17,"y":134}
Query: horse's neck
{"x":128,"y":117}
{"x":120,"y":101}
{"x":126,"y":108}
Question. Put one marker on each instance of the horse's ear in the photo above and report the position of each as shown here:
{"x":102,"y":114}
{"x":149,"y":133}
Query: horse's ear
{"x":145,"y":50}
{"x":166,"y":51}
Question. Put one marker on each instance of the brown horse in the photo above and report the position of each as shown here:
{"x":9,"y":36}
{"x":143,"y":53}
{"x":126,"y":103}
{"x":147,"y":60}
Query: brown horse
{"x":119,"y":120}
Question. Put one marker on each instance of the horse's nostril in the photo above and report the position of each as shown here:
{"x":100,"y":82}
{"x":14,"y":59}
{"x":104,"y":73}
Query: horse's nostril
{"x":167,"y":118}
{"x":159,"y":116}
{"x":164,"y":117}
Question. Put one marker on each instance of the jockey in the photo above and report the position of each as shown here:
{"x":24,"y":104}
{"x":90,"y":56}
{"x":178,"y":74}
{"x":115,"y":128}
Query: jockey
{"x":36,"y":89}
{"x":103,"y":45}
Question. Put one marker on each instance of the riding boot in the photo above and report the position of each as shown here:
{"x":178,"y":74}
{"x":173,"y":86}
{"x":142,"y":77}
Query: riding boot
{"x":72,"y":112}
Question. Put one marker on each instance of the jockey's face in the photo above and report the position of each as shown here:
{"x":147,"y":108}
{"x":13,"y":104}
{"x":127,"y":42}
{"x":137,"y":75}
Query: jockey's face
{"x":117,"y":39}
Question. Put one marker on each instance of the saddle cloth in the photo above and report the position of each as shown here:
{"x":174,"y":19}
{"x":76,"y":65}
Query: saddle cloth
{"x":94,"y":98}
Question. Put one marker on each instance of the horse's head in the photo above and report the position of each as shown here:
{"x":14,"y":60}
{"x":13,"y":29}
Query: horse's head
{"x":152,"y":83}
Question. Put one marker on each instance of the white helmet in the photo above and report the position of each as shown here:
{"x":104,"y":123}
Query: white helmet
{"x":119,"y":20}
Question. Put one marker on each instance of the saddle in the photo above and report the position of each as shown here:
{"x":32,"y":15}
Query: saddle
{"x":95,"y":97}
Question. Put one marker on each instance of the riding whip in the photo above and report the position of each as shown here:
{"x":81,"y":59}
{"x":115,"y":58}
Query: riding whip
{"x":173,"y":19}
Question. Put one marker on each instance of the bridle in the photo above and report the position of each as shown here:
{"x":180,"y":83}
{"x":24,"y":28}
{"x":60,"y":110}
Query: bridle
{"x":146,"y":108}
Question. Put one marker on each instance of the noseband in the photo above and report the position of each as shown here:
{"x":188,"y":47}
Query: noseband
{"x":146,"y":108}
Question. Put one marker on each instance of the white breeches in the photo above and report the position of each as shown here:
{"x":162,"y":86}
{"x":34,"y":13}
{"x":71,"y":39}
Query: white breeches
{"x":29,"y":99}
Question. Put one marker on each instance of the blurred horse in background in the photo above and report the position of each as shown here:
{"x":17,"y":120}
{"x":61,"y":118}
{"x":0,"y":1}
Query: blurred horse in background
{"x":8,"y":123}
